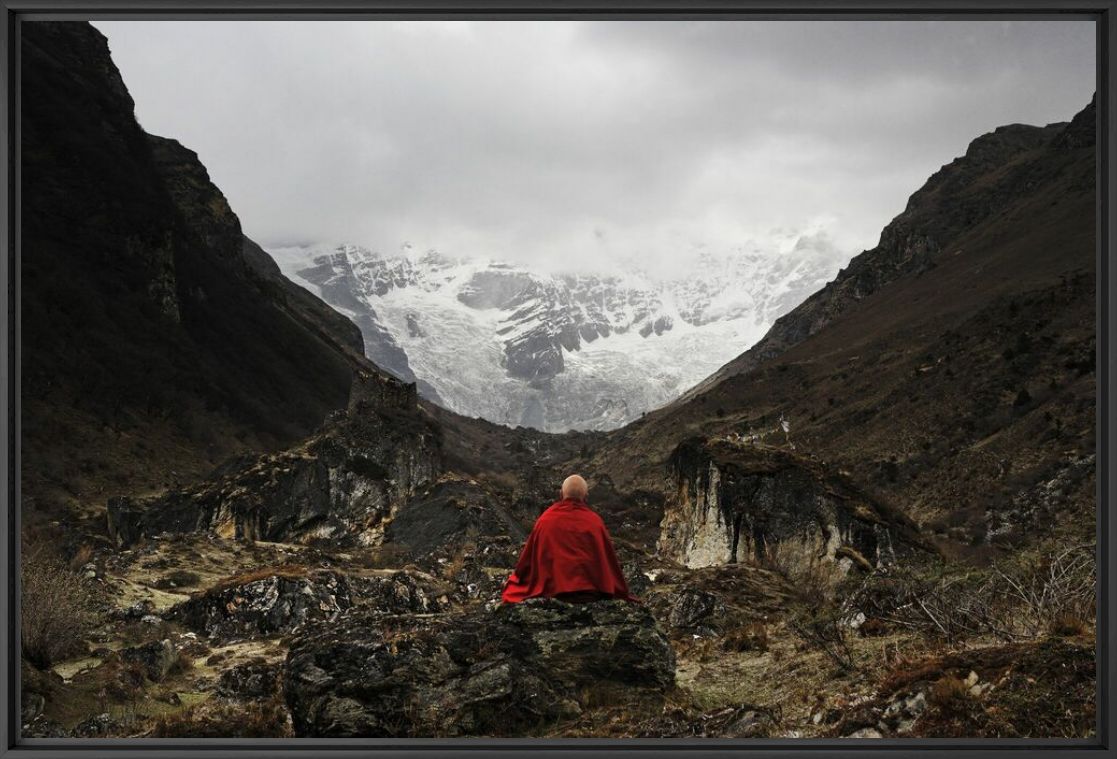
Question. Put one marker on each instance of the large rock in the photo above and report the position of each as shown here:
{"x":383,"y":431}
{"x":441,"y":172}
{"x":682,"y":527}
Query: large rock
{"x":156,"y":658}
{"x":717,"y":600}
{"x":455,"y":519}
{"x":737,"y":500}
{"x":476,"y":672}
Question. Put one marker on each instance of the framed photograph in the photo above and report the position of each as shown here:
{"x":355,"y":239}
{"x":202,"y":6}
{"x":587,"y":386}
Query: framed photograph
{"x":413,"y":378}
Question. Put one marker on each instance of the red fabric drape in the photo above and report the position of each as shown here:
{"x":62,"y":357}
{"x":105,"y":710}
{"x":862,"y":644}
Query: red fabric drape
{"x":569,"y":550}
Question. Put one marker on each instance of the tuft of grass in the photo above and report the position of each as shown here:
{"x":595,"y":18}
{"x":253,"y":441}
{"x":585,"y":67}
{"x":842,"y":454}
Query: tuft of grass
{"x":268,"y":719}
{"x":950,"y":695}
{"x":1068,"y":625}
{"x":82,"y":556}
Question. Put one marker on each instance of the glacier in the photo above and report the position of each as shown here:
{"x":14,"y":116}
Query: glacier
{"x":556,"y":352}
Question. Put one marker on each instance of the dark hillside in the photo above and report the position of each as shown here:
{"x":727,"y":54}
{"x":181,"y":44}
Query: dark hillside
{"x":155,"y":341}
{"x":952,"y":367}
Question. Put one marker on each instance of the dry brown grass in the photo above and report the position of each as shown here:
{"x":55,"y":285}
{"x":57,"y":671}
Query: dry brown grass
{"x":750,"y":637}
{"x":1068,"y":625}
{"x":949,"y":694}
{"x":81,"y":557}
{"x":288,"y":571}
{"x":268,"y":719}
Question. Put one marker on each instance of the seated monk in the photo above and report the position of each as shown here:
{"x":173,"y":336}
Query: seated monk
{"x":568,"y":555}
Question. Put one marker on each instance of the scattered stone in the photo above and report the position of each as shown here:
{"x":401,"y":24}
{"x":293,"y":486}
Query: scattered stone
{"x":94,"y":727}
{"x":138,"y":610}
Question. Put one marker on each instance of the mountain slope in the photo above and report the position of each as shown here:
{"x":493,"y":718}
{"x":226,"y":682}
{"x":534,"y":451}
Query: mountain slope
{"x":156,"y":340}
{"x":952,"y":367}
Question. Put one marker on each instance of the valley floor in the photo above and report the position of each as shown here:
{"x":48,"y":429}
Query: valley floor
{"x":746,"y":665}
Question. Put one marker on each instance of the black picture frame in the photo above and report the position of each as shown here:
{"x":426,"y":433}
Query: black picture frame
{"x":1104,"y":12}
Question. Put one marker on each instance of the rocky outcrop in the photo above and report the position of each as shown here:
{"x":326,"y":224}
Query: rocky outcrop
{"x":341,"y":484}
{"x":476,"y":672}
{"x":274,"y":602}
{"x":717,"y":600}
{"x":280,"y":600}
{"x":456,"y":520}
{"x":737,"y":500}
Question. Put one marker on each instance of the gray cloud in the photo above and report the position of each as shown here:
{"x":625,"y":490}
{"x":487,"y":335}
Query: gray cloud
{"x":574,"y":143}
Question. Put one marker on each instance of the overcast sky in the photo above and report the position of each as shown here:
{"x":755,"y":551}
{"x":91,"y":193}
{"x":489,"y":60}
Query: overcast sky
{"x":579,"y":143}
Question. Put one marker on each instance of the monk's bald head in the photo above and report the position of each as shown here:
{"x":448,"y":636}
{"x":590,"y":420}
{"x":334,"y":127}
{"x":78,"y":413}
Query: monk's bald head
{"x":575,"y":487}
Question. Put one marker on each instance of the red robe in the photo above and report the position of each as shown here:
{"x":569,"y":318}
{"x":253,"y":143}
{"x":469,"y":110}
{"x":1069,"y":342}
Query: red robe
{"x":568,"y":551}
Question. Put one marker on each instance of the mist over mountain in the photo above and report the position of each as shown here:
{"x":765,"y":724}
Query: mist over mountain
{"x":521,"y":346}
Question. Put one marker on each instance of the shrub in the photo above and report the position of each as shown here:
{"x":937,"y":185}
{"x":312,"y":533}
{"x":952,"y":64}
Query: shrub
{"x":58,"y":607}
{"x":1034,"y":596}
{"x":824,"y":630}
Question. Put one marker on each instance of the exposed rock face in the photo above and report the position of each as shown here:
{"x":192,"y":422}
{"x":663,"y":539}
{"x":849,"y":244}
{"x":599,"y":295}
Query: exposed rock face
{"x":738,"y":500}
{"x":341,"y":484}
{"x":477,"y":672}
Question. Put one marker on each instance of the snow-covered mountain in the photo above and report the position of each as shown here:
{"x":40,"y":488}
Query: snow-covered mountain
{"x":556,"y":352}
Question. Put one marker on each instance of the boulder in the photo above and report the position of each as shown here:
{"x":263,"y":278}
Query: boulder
{"x":155,"y":658}
{"x":718,"y":600}
{"x":738,"y":500}
{"x":473,"y":672}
